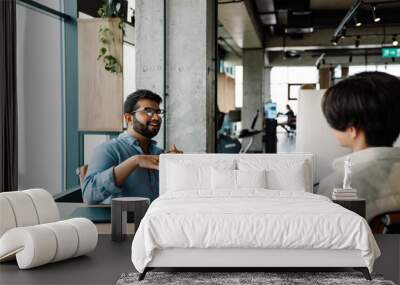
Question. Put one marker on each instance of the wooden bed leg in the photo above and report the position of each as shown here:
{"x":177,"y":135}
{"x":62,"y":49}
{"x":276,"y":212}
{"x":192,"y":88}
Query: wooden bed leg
{"x":142,"y":275}
{"x":364,"y":271}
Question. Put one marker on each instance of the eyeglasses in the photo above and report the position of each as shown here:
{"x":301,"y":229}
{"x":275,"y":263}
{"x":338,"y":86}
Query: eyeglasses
{"x":150,"y":112}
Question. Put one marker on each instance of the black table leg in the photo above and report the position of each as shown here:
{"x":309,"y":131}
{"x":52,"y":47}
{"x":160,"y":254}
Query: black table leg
{"x":119,"y":212}
{"x":118,"y":219}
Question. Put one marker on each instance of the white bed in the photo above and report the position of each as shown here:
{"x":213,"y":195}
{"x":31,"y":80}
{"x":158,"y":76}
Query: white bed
{"x":203,"y":219}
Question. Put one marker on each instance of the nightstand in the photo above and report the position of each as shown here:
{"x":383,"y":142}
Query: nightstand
{"x":119,"y":210}
{"x":356,"y":205}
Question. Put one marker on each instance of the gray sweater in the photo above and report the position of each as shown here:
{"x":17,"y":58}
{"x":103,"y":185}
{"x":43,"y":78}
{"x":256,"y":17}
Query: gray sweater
{"x":375,"y":175}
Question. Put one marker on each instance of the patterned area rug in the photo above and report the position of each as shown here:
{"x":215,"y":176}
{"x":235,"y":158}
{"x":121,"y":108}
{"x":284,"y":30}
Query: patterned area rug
{"x":225,"y":278}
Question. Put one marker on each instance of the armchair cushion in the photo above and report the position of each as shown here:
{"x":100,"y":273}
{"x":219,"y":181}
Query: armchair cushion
{"x":27,"y":208}
{"x":31,"y":233}
{"x":40,"y":244}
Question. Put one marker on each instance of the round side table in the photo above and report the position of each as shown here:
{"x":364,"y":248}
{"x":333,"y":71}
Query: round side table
{"x":119,"y":208}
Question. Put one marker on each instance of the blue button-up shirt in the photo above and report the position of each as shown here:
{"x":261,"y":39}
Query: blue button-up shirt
{"x":99,"y":183}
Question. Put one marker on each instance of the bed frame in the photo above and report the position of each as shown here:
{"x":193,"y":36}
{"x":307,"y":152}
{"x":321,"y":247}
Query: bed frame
{"x":261,"y":259}
{"x":248,"y":259}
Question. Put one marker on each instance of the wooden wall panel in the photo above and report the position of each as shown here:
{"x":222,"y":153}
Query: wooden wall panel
{"x":100,"y":92}
{"x":226,"y":93}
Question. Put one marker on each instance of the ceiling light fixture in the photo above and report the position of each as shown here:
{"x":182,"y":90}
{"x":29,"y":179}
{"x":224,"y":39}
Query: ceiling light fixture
{"x":343,"y":35}
{"x":394,"y":40}
{"x":349,"y":15}
{"x":356,"y":21}
{"x":376,"y":18}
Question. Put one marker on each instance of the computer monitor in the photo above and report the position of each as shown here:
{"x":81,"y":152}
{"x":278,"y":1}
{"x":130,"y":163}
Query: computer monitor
{"x":270,"y":110}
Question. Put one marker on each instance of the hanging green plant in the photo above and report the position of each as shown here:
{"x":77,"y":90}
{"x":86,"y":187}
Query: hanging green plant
{"x":110,"y":8}
{"x":106,"y":38}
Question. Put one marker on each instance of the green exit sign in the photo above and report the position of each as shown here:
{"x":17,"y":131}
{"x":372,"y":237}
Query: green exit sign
{"x":390,"y":52}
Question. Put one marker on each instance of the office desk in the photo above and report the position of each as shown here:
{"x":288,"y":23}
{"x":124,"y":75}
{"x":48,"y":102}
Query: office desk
{"x":68,"y":210}
{"x":100,"y":215}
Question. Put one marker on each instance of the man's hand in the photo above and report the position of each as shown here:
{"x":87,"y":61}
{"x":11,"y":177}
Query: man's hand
{"x":124,"y":169}
{"x":147,"y":161}
{"x":173,"y":149}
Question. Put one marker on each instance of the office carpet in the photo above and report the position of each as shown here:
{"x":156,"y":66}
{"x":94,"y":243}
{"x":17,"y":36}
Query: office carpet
{"x":269,"y":278}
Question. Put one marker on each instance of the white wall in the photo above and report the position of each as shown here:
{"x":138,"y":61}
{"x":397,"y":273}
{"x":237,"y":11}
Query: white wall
{"x":129,"y":69}
{"x":40,"y":97}
{"x":314,"y":134}
{"x":281,"y":76}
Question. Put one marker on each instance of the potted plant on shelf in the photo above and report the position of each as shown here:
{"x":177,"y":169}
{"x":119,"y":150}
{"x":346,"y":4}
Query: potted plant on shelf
{"x":110,"y":9}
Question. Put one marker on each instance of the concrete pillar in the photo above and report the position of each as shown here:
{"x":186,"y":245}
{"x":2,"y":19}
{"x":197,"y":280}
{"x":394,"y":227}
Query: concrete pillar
{"x":149,"y":49}
{"x":253,"y":77}
{"x":267,"y":84}
{"x":267,"y":78}
{"x":190,"y":43}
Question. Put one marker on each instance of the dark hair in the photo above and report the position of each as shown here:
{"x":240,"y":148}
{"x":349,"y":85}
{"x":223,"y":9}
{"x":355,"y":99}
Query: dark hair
{"x":130,"y":104}
{"x":369,"y":101}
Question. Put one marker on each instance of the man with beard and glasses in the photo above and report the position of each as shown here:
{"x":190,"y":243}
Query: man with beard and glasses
{"x":127,"y":166}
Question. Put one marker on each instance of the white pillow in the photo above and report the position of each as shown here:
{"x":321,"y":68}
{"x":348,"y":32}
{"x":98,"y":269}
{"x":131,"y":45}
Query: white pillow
{"x":187,"y":176}
{"x":183,"y":177}
{"x":282,"y":174}
{"x":293,"y":178}
{"x":224,"y":179}
{"x":251,"y":178}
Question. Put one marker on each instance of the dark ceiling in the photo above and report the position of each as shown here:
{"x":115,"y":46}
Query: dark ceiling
{"x":296,"y":17}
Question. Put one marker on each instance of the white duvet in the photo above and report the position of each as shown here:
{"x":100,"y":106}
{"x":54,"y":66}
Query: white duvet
{"x":250,"y":219}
